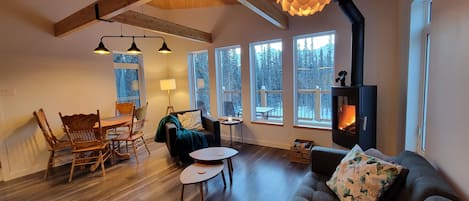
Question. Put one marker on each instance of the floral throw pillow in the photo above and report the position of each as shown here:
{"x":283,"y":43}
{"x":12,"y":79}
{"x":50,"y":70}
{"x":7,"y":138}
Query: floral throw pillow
{"x":361,"y":177}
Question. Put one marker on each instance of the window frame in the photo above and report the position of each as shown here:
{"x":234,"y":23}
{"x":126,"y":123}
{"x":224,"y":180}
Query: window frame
{"x":424,"y":79}
{"x":253,"y":80}
{"x":193,"y":81}
{"x":318,"y":125}
{"x":219,"y":87}
{"x":140,"y":74}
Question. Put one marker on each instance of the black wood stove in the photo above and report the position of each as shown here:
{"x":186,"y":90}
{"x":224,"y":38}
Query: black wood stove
{"x":354,"y":107}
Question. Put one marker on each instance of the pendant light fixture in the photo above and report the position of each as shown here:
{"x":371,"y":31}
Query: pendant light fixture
{"x":101,"y":49}
{"x":164,"y":49}
{"x":133,"y":48}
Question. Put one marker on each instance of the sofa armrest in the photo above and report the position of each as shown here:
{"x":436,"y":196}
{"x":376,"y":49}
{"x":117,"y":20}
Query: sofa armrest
{"x":170,"y":131}
{"x":212,"y":125}
{"x":324,"y":160}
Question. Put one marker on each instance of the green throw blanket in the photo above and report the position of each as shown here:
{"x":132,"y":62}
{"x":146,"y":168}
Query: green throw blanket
{"x":186,"y":140}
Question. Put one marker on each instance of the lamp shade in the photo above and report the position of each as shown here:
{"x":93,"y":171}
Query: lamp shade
{"x":200,"y":83}
{"x":101,"y":49}
{"x":164,"y":49}
{"x":134,"y":49}
{"x":168,"y":84}
{"x":303,"y":7}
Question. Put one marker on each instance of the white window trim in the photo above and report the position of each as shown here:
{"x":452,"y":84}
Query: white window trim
{"x":191,"y":76}
{"x":423,"y":88}
{"x":141,"y":73}
{"x":319,"y":125}
{"x":253,"y":82}
{"x":220,"y":94}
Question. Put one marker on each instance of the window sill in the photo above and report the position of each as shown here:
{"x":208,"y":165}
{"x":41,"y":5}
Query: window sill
{"x":313,"y":127}
{"x":267,"y":123}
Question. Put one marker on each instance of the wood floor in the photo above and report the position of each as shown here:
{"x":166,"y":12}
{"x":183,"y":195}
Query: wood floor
{"x":260,"y":173}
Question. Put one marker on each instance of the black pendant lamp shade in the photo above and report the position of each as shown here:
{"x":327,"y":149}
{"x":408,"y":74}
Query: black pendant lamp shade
{"x":133,"y":48}
{"x":101,"y":49}
{"x":164,"y":49}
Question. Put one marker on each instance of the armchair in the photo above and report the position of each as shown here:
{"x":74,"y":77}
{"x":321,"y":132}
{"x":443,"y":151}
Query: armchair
{"x":211,"y":132}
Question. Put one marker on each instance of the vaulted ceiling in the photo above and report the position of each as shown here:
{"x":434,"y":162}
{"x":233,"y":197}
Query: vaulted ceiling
{"x":121,"y":11}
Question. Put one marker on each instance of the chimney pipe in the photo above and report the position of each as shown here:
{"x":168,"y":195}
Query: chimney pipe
{"x":358,"y":39}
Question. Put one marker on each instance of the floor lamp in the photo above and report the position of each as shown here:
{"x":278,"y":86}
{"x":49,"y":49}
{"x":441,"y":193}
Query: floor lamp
{"x":168,"y":84}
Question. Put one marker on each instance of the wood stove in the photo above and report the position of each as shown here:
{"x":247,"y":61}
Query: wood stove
{"x":354,"y":107}
{"x":354,"y":116}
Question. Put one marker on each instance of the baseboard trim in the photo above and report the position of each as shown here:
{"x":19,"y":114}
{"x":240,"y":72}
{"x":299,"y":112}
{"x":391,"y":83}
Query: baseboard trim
{"x":264,"y":143}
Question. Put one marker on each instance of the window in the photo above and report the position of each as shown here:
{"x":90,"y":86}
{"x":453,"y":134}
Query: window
{"x":228,"y":61}
{"x":314,"y":75}
{"x":129,"y":79}
{"x":266,"y":79}
{"x":199,"y":81}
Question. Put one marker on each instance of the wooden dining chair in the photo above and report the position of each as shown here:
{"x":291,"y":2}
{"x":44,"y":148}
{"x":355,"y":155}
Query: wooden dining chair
{"x":89,"y":145}
{"x":56,"y":147}
{"x":134,"y":135}
{"x":124,"y":108}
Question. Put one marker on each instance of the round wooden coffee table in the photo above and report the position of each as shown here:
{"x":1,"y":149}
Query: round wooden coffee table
{"x":216,"y":154}
{"x":200,"y":173}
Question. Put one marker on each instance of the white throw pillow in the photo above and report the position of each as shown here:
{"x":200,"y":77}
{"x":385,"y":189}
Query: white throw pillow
{"x":191,"y":120}
{"x":361,"y":177}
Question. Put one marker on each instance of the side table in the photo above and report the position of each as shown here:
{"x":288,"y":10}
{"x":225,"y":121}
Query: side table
{"x":230,"y":124}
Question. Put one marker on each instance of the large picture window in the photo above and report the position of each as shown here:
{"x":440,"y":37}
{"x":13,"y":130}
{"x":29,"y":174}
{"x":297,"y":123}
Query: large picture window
{"x":129,"y":78}
{"x":199,"y":81}
{"x":314,"y":74}
{"x":266,"y":79}
{"x":228,"y":62}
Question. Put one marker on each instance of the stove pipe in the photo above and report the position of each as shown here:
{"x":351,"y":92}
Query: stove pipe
{"x":358,"y":39}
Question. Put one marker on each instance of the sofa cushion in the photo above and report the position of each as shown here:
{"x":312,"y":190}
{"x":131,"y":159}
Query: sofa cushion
{"x":362,"y":177}
{"x":423,"y":180}
{"x":191,"y":120}
{"x":313,"y":187}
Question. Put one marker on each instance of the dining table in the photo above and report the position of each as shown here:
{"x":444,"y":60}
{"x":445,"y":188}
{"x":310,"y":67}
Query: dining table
{"x":112,"y":123}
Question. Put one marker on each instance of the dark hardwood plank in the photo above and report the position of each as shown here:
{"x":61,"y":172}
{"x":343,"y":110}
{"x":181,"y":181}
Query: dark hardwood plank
{"x":260,"y":173}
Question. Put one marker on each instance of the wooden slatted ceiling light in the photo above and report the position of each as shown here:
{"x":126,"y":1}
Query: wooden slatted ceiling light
{"x":303,"y":7}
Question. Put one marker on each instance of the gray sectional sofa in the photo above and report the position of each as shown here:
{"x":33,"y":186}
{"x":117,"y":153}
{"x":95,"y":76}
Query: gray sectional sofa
{"x":422,"y":183}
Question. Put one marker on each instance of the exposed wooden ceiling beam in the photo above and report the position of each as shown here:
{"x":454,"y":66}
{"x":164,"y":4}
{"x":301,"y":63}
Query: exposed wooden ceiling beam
{"x":184,"y":4}
{"x":159,"y":25}
{"x":267,"y":10}
{"x":86,"y":16}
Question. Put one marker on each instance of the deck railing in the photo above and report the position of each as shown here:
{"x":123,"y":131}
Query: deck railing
{"x":312,"y":104}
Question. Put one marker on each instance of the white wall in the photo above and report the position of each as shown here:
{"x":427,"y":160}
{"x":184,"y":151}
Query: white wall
{"x":447,"y":133}
{"x":237,"y":25}
{"x":62,"y":74}
{"x":39,"y":70}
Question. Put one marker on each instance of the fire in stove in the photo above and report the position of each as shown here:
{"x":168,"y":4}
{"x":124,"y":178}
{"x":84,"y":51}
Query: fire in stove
{"x":346,"y":117}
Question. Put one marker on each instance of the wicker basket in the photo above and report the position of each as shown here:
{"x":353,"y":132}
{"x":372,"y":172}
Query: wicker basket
{"x":300,"y":151}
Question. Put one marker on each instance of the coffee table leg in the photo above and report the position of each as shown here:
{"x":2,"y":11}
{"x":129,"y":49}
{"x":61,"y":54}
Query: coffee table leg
{"x":230,"y":169}
{"x":182,"y":193}
{"x":223,"y":177}
{"x":202,"y":191}
{"x":231,"y":138}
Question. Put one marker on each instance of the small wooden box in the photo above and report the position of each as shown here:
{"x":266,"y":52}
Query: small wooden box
{"x":300,"y":151}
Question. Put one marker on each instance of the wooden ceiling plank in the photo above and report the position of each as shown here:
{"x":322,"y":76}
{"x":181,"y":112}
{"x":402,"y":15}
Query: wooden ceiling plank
{"x":267,"y":10}
{"x":159,"y":25}
{"x":86,"y":16}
